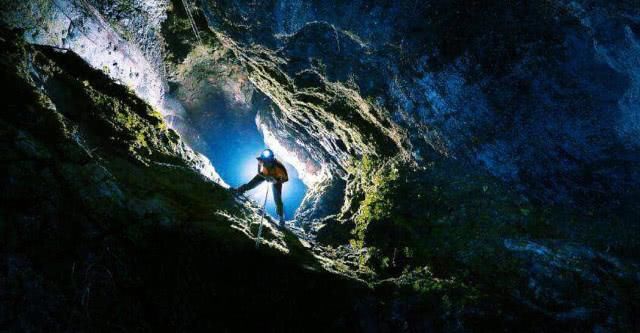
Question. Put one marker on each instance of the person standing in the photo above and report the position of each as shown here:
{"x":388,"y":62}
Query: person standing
{"x":274,"y":172}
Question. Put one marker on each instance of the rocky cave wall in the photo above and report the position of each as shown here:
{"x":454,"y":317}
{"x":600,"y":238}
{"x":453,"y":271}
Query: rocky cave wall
{"x":353,"y":79}
{"x":485,"y":153}
{"x":480,"y":138}
{"x":482,"y":89}
{"x":121,"y":38}
{"x":108,"y":224}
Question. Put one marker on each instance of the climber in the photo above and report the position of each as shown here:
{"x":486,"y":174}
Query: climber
{"x":271,"y":170}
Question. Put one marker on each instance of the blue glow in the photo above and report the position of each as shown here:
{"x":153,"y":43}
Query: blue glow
{"x":266,"y":154}
{"x":293,"y":191}
{"x":232,"y":142}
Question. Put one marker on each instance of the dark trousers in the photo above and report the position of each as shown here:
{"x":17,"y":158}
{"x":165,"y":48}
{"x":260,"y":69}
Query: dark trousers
{"x":277,"y":192}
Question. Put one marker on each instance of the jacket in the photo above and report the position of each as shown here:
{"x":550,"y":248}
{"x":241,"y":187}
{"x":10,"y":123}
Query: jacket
{"x":277,"y":171}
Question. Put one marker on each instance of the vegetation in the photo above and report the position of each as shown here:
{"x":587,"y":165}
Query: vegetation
{"x":35,"y":12}
{"x":179,"y":36}
{"x":97,"y":186}
{"x":380,"y":182}
{"x":106,"y":225}
{"x":440,"y":233}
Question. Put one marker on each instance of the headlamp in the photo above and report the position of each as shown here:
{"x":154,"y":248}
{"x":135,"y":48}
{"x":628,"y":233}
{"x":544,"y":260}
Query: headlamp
{"x":267,"y":154}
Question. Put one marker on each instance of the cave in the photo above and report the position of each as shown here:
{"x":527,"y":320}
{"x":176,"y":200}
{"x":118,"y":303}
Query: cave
{"x":228,"y":134}
{"x":455,"y":166}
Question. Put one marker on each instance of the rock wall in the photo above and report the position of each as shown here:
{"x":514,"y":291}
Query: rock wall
{"x":481,"y":139}
{"x":477,"y":82}
{"x":107,"y":224}
{"x":477,"y":162}
{"x":120,"y":37}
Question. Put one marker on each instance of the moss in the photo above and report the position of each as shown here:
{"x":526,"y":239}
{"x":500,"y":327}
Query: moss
{"x":117,"y":10}
{"x":26,"y":14}
{"x":178,"y":33}
{"x":112,"y":112}
{"x":452,"y":221}
{"x":145,"y":239}
{"x":378,"y":186}
{"x":440,"y":216}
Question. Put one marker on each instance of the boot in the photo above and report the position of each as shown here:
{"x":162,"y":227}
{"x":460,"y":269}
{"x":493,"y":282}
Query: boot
{"x":282,"y":224}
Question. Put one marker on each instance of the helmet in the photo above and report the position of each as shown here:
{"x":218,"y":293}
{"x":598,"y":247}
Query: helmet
{"x":267,"y":155}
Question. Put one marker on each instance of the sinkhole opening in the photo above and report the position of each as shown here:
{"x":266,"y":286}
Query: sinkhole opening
{"x":230,"y":138}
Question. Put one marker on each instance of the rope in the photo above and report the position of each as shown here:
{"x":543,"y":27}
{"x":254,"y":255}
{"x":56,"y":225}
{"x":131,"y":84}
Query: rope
{"x":194,"y":27}
{"x":264,"y":205}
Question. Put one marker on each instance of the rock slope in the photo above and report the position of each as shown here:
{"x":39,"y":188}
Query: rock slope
{"x":475,"y":162}
{"x":107,"y":224}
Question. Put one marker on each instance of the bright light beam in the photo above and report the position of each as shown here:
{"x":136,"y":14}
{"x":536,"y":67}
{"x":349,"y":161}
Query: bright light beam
{"x":292,"y":191}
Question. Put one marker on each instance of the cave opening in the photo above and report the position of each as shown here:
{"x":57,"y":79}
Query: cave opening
{"x":230,"y":138}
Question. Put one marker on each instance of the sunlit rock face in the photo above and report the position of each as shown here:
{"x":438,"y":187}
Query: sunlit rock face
{"x":216,"y":94}
{"x":324,"y":126}
{"x":120,"y":37}
{"x":482,"y":83}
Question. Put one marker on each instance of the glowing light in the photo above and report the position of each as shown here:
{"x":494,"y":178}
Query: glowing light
{"x":266,"y":154}
{"x":249,"y":168}
{"x":206,"y":168}
{"x":283,"y":155}
{"x":292,"y":191}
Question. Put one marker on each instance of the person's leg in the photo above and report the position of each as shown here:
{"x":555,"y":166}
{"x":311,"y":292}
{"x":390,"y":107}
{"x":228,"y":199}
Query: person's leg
{"x":257,"y":180}
{"x":277,"y":197}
